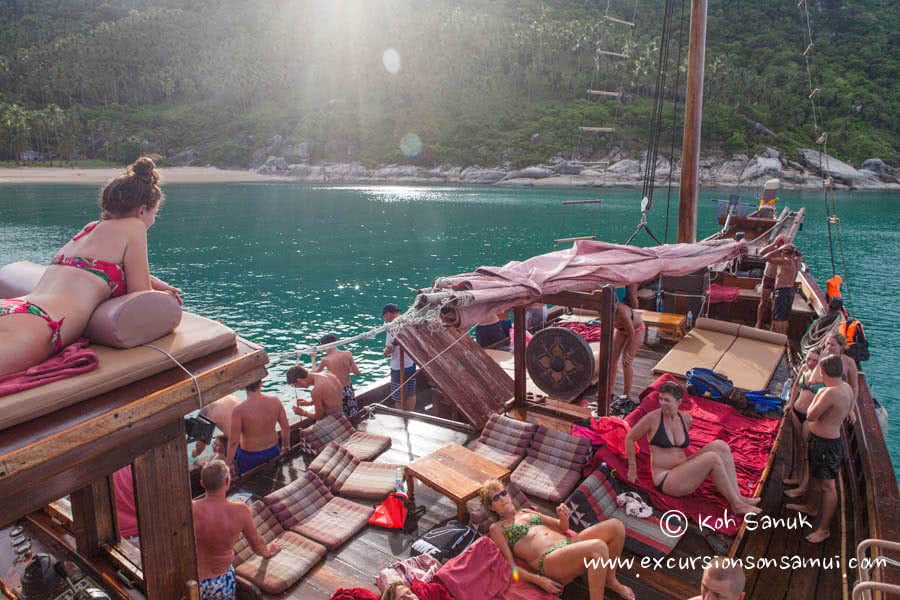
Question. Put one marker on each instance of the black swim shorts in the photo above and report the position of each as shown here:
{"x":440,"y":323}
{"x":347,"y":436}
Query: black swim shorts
{"x":782,"y":302}
{"x":826,"y":455}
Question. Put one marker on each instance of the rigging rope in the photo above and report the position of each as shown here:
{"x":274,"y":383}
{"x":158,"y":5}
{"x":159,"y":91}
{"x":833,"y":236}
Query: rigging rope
{"x":674,"y":119}
{"x":658,"y":103}
{"x":831,"y":215}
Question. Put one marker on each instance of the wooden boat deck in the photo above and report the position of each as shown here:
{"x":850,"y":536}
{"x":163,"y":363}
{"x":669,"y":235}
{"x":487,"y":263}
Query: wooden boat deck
{"x":357,"y":563}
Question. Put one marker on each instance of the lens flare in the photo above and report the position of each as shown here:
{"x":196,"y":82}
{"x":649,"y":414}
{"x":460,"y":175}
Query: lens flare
{"x":391,"y":60}
{"x":411,"y":145}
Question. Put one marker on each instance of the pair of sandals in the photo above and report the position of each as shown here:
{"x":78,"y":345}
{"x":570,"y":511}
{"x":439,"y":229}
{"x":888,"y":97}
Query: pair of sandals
{"x":634,"y":505}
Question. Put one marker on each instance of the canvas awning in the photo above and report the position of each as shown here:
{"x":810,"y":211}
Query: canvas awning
{"x":464,"y":300}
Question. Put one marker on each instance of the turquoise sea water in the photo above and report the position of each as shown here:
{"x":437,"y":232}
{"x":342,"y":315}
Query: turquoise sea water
{"x":284,"y":264}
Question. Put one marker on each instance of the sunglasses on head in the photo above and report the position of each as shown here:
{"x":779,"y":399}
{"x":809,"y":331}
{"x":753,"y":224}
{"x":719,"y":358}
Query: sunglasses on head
{"x":498,"y":495}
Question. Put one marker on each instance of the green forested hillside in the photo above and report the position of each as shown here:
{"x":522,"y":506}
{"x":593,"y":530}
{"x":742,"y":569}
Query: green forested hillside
{"x":479,"y":82}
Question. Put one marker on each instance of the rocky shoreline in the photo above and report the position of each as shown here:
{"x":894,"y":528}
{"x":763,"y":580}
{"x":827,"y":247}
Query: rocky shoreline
{"x":736,"y":171}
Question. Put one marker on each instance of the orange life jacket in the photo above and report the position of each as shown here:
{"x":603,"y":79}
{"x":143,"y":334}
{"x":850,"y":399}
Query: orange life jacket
{"x":851,"y":331}
{"x":833,"y":286}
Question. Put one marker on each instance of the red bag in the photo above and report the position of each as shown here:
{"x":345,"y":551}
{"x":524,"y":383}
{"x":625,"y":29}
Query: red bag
{"x":392,"y":512}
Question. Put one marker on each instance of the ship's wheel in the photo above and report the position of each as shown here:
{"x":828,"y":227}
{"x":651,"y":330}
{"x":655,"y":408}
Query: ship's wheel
{"x":559,"y":362}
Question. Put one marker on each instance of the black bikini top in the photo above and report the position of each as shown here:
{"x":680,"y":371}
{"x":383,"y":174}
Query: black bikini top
{"x":661,"y":438}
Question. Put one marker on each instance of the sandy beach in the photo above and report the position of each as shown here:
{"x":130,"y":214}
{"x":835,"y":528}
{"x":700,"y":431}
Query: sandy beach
{"x":101,"y":176}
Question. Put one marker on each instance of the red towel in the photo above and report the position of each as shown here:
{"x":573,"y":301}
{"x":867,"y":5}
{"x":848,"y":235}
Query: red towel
{"x":429,"y":591}
{"x":605,"y":431}
{"x":481,"y":573}
{"x":723,"y":293}
{"x":354,"y":594}
{"x":73,"y":360}
{"x":750,"y":440}
{"x":590,"y":333}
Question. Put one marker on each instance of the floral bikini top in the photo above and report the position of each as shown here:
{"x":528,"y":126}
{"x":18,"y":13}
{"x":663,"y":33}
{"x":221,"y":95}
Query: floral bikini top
{"x":517,"y":531}
{"x":112,"y":273}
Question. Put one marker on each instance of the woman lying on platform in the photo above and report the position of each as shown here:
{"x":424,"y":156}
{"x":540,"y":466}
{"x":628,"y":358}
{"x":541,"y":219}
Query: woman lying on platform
{"x":92,"y":267}
{"x":674,"y":473}
{"x":802,"y":393}
{"x":555,"y":558}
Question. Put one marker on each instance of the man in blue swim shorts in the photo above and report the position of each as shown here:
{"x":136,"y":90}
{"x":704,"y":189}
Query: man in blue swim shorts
{"x":218,"y":522}
{"x":253,"y":439}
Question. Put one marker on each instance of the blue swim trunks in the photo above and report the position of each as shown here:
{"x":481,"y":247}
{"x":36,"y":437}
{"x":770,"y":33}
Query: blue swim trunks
{"x":223,"y":587}
{"x":244,"y":460}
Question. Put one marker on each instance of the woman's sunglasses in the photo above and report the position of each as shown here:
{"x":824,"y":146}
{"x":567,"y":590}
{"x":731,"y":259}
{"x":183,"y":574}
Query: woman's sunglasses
{"x":498,"y":495}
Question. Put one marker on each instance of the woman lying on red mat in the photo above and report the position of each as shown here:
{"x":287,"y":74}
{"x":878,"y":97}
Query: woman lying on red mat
{"x":554,"y":558}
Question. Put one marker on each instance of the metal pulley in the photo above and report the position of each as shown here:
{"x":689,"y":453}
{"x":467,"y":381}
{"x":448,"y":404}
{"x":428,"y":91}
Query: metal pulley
{"x":560,"y":362}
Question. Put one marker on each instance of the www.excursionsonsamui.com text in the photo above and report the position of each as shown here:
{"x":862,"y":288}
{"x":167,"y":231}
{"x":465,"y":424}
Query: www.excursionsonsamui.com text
{"x":692,"y":563}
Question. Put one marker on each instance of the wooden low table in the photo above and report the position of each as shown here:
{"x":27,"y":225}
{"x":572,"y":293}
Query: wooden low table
{"x":455,"y":472}
{"x":670,"y":323}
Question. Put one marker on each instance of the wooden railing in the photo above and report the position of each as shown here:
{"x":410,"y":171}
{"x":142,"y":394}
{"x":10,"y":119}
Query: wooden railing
{"x":871,"y":480}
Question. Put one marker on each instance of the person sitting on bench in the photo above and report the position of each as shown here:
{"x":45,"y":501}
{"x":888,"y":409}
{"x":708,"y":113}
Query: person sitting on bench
{"x":674,"y":473}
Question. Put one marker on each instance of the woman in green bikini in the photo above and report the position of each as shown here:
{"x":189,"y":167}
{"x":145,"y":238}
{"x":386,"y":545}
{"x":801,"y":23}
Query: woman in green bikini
{"x":802,"y":394}
{"x":554,"y":558}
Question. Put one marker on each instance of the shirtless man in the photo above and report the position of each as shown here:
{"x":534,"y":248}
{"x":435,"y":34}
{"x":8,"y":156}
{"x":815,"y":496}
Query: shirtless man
{"x":325,"y":396}
{"x":768,"y":283}
{"x":834,"y":345}
{"x":788,"y":260}
{"x":825,"y":447}
{"x":629,"y":336}
{"x":217,"y":524}
{"x":253,"y":440}
{"x":219,"y":412}
{"x":339,"y":363}
{"x":722,"y":580}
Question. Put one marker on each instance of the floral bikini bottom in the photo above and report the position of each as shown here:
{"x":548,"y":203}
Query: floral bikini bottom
{"x":17,"y":306}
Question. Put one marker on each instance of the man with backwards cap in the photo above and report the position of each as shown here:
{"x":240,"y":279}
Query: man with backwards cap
{"x":392,"y":349}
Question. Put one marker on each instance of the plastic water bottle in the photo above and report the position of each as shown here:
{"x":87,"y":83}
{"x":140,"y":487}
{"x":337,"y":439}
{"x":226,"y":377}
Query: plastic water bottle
{"x":786,"y":390}
{"x":659,"y":302}
{"x":398,"y":480}
{"x":690,"y":319}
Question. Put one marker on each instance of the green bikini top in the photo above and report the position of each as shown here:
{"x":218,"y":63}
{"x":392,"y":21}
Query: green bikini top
{"x":814,"y":388}
{"x":517,"y":531}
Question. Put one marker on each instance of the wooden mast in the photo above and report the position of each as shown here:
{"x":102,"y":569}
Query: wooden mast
{"x":693,"y":118}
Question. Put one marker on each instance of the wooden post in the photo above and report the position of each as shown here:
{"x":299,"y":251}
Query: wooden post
{"x":94,"y":516}
{"x":163,"y":498}
{"x":693,"y":118}
{"x":605,"y":380}
{"x":402,"y":380}
{"x":519,"y":355}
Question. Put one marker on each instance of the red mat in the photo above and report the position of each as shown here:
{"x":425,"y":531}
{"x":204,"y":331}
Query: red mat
{"x":590,"y":333}
{"x":750,"y":440}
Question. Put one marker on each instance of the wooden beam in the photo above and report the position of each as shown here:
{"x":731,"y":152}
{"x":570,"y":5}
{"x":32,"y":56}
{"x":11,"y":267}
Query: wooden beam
{"x":605,"y":379}
{"x":616,"y":54}
{"x":519,"y":381}
{"x":573,"y":239}
{"x":693,"y":119}
{"x":620,"y":21}
{"x":587,"y":129}
{"x":94,"y":516}
{"x":604,"y":93}
{"x":586,"y":300}
{"x":28,"y":464}
{"x":162,"y":491}
{"x":120,"y":451}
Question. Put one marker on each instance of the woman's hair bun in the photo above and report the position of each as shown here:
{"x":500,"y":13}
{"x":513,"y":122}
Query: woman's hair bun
{"x":145,"y":168}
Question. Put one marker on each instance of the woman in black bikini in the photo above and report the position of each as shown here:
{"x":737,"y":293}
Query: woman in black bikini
{"x":802,"y":394}
{"x":673,"y":472}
